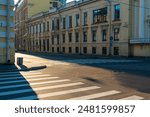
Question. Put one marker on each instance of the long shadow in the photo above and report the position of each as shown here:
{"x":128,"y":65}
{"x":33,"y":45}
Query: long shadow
{"x":141,"y":67}
{"x":131,"y":73}
{"x":14,"y":86}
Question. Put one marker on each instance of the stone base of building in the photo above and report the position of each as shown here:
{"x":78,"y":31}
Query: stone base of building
{"x":142,"y":50}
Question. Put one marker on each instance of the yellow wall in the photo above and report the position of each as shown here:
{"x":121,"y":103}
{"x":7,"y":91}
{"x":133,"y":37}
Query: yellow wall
{"x":37,"y":6}
{"x":141,"y":50}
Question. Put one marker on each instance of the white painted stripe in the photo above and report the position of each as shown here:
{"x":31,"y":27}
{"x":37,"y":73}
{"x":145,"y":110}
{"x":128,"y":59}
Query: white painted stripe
{"x":134,"y":97}
{"x":32,"y":97}
{"x":54,"y":81}
{"x":21,"y":78}
{"x":38,"y":89}
{"x":21,"y":73}
{"x":24,"y":80}
{"x":35,"y":76}
{"x":97,"y":95}
{"x":58,"y":86}
{"x":31,"y":73}
{"x":48,"y":78}
{"x":67,"y":92}
{"x":9,"y":78}
{"x":9,"y":75}
{"x":33,"y":84}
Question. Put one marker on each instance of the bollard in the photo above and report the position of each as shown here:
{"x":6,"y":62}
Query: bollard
{"x":20,"y":60}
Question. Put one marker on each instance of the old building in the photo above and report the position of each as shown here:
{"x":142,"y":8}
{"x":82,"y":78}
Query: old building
{"x":82,"y":27}
{"x":140,"y":28}
{"x":6,"y":32}
{"x":24,"y":10}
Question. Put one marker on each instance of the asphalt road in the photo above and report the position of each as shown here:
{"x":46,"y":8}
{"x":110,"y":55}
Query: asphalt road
{"x":85,"y":77}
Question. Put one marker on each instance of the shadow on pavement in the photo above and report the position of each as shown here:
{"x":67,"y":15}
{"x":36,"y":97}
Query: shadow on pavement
{"x":14,"y":86}
{"x":142,"y":67}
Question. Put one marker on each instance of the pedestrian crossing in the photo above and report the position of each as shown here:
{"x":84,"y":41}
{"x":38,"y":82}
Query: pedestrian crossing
{"x":36,"y":85}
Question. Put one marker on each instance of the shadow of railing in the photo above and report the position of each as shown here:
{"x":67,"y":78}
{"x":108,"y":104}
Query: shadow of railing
{"x":14,"y":86}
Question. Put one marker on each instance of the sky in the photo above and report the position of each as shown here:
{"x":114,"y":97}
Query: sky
{"x":67,"y":1}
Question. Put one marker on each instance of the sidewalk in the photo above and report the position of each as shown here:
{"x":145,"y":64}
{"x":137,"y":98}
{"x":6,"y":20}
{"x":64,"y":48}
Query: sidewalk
{"x":25,"y":67}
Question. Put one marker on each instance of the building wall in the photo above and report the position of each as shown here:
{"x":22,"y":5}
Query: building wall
{"x":120,"y":45}
{"x":36,"y":6}
{"x":140,"y":28}
{"x":6,"y":32}
{"x":24,"y":11}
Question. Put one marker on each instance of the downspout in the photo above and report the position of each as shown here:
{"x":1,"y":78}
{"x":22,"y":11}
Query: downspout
{"x":8,"y":33}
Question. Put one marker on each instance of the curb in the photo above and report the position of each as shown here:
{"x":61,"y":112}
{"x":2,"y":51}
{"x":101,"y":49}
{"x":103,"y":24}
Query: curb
{"x":26,"y":69}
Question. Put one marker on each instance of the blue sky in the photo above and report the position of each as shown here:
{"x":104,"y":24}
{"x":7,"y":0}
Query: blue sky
{"x":67,"y":0}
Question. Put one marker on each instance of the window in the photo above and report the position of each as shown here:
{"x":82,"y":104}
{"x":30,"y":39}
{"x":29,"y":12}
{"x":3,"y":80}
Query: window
{"x":33,"y":29}
{"x":64,"y":38}
{"x":77,"y":49}
{"x":84,"y":50}
{"x":104,"y":35}
{"x":85,"y":18}
{"x":40,"y":28}
{"x":63,"y":49}
{"x":64,"y":23}
{"x":117,"y":12}
{"x":116,"y":34}
{"x":70,"y":50}
{"x":47,"y":44}
{"x":77,"y":19}
{"x":116,"y":50}
{"x":94,"y":36}
{"x":77,"y":36}
{"x":53,"y":49}
{"x":85,"y":36}
{"x":36,"y":29}
{"x":52,"y":39}
{"x":57,"y":49}
{"x":44,"y":48}
{"x":47,"y":26}
{"x":57,"y":38}
{"x":70,"y":37}
{"x":52,"y":24}
{"x":40,"y":45}
{"x":93,"y":50}
{"x":104,"y":50}
{"x":100,"y":15}
{"x":57,"y":27}
{"x":70,"y":21}
{"x":43,"y":27}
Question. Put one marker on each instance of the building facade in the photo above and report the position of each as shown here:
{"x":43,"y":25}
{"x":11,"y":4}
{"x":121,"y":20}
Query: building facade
{"x":140,"y":28}
{"x":7,"y":49}
{"x":97,"y":27}
{"x":25,"y":10}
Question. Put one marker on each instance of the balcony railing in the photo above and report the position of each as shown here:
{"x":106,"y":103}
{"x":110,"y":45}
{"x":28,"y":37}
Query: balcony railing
{"x":140,"y":41}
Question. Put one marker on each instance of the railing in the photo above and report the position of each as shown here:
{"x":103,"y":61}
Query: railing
{"x":140,"y":41}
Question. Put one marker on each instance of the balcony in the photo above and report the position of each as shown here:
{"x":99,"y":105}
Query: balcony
{"x":140,"y":41}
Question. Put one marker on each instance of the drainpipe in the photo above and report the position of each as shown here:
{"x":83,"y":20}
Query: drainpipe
{"x":80,"y":31}
{"x":110,"y":28}
{"x":8,"y":33}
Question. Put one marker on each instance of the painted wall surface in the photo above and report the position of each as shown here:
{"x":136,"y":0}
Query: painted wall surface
{"x":7,"y":50}
{"x":36,"y":6}
{"x":139,"y":20}
{"x":89,"y":7}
